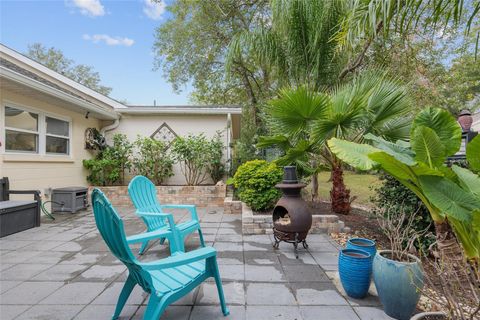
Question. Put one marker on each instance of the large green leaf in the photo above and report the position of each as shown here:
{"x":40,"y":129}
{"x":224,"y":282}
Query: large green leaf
{"x":473,"y":153}
{"x":392,"y":166}
{"x":468,"y":235}
{"x":397,"y":151}
{"x":444,"y":125}
{"x":427,"y":146}
{"x":279,"y":140}
{"x":468,"y":179}
{"x":449,"y":197}
{"x":422,"y":169}
{"x":355,"y":154}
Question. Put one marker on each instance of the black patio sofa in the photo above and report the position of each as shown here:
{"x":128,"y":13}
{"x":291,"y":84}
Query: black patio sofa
{"x":17,"y":215}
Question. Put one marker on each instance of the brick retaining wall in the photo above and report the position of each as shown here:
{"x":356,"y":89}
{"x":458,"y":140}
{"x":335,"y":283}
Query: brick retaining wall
{"x":202,"y":196}
{"x":231,"y":206}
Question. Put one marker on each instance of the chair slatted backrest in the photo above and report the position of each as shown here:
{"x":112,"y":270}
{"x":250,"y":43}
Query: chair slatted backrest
{"x":110,"y":226}
{"x":143,"y":194}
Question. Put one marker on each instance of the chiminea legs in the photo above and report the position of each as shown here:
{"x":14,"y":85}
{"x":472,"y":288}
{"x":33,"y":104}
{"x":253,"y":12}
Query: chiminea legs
{"x":281,"y":236}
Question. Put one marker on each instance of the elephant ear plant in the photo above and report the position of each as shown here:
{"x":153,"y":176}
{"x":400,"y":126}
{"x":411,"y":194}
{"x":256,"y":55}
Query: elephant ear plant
{"x":452,"y":195}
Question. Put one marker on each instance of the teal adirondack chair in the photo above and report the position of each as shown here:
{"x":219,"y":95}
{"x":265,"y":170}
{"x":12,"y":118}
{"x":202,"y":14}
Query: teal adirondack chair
{"x":144,"y":197}
{"x":166,"y":280}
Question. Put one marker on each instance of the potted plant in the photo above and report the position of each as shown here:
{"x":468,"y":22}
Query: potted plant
{"x":397,"y":274}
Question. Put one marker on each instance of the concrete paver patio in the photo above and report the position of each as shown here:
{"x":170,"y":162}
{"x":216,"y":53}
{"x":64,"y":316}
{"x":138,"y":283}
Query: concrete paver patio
{"x":63,"y":270}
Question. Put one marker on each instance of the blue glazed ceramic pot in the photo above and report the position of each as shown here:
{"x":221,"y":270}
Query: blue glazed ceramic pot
{"x":362,"y":244}
{"x":354,"y":267}
{"x":398,"y":284}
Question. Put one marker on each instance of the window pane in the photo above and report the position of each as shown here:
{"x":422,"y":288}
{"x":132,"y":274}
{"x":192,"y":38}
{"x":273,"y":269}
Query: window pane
{"x":57,"y":145}
{"x":19,"y":119}
{"x":20,"y":141}
{"x":57,"y":127}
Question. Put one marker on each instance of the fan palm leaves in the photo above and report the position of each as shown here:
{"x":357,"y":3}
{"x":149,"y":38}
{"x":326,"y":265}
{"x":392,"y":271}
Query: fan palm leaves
{"x":297,"y":45}
{"x":366,"y":18}
{"x":302,"y":120}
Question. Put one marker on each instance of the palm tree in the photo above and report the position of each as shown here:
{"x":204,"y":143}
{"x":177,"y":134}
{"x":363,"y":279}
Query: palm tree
{"x":296,"y":46}
{"x":368,"y":20}
{"x":303,"y":120}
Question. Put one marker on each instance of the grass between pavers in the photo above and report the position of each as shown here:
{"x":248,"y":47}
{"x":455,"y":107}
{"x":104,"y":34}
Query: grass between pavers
{"x":359,"y":185}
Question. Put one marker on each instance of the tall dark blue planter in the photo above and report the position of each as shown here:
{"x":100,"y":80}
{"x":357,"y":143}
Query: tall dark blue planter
{"x":362,"y":244}
{"x":398,"y":284}
{"x":355,"y":267}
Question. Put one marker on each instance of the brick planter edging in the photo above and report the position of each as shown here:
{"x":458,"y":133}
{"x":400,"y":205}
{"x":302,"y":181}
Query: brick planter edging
{"x":262,"y":223}
{"x":201,"y":196}
{"x":231,"y":206}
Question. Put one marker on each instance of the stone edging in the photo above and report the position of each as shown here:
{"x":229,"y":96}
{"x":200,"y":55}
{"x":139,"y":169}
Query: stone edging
{"x":262,"y":224}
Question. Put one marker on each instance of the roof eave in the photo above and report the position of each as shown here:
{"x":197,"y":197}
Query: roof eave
{"x":106,"y":114}
{"x":77,"y":86}
{"x":179,"y":110}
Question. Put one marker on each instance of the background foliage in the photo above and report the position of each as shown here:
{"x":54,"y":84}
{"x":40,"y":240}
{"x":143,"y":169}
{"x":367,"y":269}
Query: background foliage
{"x":55,"y":59}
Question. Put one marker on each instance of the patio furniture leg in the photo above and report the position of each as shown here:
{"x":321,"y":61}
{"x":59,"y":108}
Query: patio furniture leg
{"x":155,"y":308}
{"x":200,"y":234}
{"x":122,"y":299}
{"x":162,"y":241}
{"x":144,"y":247}
{"x":218,"y":282}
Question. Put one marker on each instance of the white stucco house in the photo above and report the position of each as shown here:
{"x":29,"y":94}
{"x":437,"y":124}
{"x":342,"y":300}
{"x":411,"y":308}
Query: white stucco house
{"x":44,"y":116}
{"x":476,"y":121}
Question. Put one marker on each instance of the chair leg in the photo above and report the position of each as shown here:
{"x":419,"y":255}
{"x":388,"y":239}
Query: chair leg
{"x":155,"y":308}
{"x":144,"y":247}
{"x":122,"y":299}
{"x":218,"y":282}
{"x":200,"y":234}
{"x":162,"y":240}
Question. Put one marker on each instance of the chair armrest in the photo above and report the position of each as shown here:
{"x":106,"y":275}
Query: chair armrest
{"x":190,"y":207}
{"x":167,"y":216}
{"x":36,"y":193}
{"x":180,"y":259}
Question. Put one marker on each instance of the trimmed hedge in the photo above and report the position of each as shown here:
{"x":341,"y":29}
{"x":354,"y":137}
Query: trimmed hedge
{"x":255,"y":184}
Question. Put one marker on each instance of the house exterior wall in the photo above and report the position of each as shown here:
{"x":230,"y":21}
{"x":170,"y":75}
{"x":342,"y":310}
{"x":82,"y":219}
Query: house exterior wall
{"x":182,"y":125}
{"x":476,"y":122}
{"x":40,"y":172}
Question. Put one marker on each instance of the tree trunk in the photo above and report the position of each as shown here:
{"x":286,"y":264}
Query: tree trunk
{"x":447,"y":244}
{"x":315,"y":187}
{"x":339,"y":195}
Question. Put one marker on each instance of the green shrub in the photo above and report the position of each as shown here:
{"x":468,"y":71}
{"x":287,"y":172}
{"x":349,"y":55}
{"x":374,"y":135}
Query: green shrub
{"x":255,"y":183}
{"x":394,"y":195}
{"x":111,"y":163}
{"x":216,"y":166}
{"x":199,"y":158}
{"x":152,"y":160}
{"x":102,"y":172}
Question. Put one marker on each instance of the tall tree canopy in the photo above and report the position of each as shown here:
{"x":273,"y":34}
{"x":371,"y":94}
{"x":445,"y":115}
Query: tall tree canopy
{"x":190,"y":48}
{"x":56,"y":60}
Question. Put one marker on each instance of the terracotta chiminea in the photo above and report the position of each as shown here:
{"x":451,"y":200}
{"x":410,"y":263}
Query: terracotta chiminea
{"x":465,"y":120}
{"x":292,"y":218}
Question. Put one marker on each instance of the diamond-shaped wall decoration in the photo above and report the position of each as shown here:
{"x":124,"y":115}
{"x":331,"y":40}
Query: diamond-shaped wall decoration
{"x":164,"y":134}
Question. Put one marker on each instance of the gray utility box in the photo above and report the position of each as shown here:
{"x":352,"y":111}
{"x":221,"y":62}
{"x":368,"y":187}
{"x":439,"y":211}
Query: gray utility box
{"x":16,"y":216}
{"x":69,"y":199}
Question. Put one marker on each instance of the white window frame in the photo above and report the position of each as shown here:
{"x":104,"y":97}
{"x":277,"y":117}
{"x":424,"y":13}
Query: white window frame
{"x":42,"y":131}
